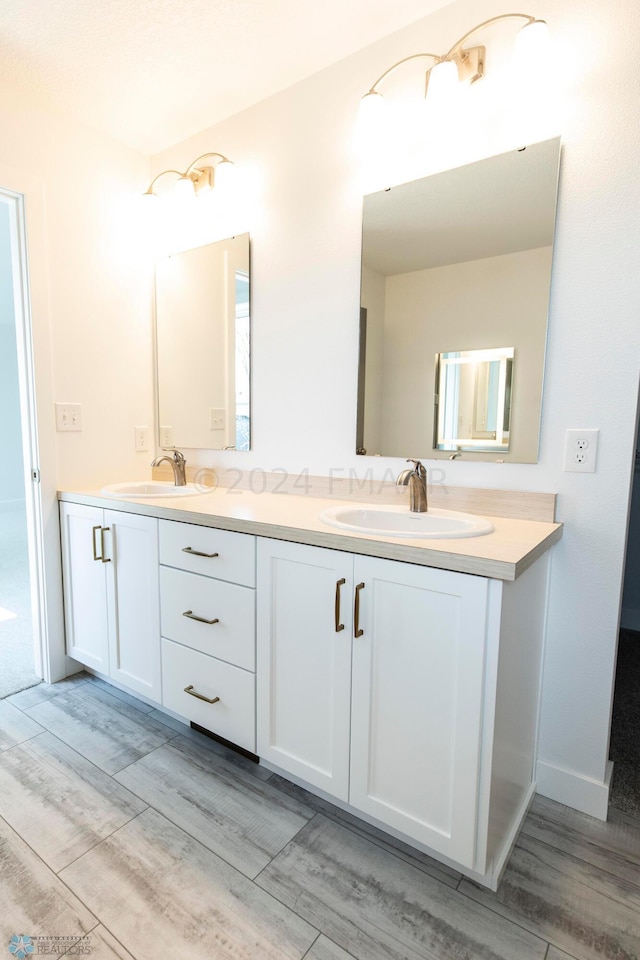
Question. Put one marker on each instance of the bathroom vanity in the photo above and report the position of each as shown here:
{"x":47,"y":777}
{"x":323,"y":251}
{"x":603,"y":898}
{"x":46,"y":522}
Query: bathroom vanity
{"x":397,"y":678}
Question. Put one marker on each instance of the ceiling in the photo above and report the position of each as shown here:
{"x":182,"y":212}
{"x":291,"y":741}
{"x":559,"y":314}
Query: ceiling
{"x":153,"y":72}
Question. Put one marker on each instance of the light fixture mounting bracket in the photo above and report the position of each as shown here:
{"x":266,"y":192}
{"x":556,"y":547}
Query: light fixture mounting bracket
{"x":470,"y":63}
{"x":202,"y":178}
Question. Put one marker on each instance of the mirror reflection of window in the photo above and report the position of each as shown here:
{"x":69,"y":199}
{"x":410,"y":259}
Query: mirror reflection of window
{"x":459,"y":261}
{"x":242,"y":354}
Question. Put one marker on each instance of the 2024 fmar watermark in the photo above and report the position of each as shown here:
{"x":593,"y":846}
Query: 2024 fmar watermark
{"x":22,"y":947}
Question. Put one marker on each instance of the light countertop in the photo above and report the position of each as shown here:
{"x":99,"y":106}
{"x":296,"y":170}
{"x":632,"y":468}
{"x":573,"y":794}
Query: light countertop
{"x":504,"y":554}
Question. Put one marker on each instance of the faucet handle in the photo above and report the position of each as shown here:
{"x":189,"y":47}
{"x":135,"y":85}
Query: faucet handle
{"x":177,"y":456}
{"x":420,"y":468}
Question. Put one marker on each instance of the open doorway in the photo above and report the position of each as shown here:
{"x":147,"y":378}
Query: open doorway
{"x":625,"y":724}
{"x":20,"y":651}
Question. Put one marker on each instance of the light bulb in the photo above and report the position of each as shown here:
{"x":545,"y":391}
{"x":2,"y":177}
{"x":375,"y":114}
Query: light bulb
{"x":531,"y":46}
{"x":225,"y":175}
{"x":183,"y":188}
{"x":371,"y":115}
{"x":444,"y":83}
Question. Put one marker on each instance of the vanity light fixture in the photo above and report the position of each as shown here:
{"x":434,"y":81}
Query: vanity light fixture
{"x":460,"y":64}
{"x":198,"y":178}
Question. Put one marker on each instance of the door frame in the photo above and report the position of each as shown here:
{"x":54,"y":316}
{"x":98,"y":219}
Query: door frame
{"x":25,"y":196}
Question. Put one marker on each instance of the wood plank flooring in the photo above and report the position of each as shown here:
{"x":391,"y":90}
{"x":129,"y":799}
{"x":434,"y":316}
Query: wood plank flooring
{"x":131,"y":837}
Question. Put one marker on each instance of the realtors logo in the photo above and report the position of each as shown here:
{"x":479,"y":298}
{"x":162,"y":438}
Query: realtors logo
{"x":21,"y":946}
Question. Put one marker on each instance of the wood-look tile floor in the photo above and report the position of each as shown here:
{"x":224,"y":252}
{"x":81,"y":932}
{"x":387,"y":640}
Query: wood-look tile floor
{"x":128,"y":836}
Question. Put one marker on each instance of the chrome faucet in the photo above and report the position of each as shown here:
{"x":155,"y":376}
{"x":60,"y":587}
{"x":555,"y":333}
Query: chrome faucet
{"x":416,"y":478}
{"x":178,"y":464}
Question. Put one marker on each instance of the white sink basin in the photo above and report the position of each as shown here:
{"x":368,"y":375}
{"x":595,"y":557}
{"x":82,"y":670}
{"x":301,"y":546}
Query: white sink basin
{"x":400,"y":522}
{"x":151,"y":488}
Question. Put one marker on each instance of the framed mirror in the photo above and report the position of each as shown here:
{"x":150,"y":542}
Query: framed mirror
{"x":473,"y":411}
{"x":456,"y":269}
{"x":203,"y":347}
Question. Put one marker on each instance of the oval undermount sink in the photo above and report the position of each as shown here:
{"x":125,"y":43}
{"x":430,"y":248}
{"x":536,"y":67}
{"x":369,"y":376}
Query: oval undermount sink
{"x":400,"y":522}
{"x":151,"y":488}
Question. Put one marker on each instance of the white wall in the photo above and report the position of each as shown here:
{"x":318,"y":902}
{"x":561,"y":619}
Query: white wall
{"x":99,"y":283}
{"x":305,"y":223}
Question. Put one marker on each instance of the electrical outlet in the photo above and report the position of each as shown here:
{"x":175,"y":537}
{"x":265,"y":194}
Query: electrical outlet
{"x":68,"y":417}
{"x":141,"y":438}
{"x":580,"y":451}
{"x":216,"y":418}
{"x":166,"y":437}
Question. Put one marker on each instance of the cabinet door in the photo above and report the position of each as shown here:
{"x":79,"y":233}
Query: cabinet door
{"x":134,"y":602}
{"x":85,"y":595}
{"x":417,"y":702}
{"x":304,"y":663}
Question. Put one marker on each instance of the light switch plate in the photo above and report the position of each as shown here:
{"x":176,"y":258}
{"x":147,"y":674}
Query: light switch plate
{"x":68,"y":417}
{"x":216,"y":418}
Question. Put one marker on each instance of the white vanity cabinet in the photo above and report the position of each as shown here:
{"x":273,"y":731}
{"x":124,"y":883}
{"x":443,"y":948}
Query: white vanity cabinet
{"x":406,"y":693}
{"x":410,"y":713}
{"x":207,"y":580}
{"x":112,"y":607}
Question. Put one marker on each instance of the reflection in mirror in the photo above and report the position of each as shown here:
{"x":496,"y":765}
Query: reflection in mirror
{"x":203,"y":346}
{"x":455,"y":263}
{"x":473,"y":400}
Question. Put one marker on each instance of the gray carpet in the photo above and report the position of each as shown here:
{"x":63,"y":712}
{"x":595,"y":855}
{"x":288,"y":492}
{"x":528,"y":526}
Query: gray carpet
{"x":625,"y":727}
{"x":16,"y":634}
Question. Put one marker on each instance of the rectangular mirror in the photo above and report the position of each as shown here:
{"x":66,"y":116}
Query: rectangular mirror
{"x":453,"y":264}
{"x":203,"y":347}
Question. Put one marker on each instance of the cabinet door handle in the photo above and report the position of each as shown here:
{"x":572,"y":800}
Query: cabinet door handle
{"x":104,"y":530}
{"x":197,"y":553}
{"x":93,"y":538}
{"x":192,"y":616}
{"x":357,"y":630}
{"x":339,"y":626}
{"x":200,"y":696}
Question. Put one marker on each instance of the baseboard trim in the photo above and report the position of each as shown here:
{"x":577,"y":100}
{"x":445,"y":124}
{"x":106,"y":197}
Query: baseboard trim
{"x":582,"y":793}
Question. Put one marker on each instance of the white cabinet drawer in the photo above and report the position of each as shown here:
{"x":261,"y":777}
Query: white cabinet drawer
{"x":231,"y":637}
{"x":232,"y":716}
{"x":210,"y":552}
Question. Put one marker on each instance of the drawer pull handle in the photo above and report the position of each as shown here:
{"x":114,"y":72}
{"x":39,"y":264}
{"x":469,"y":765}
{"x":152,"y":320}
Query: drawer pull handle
{"x":192,"y":616}
{"x":357,"y":629}
{"x":197,"y":553}
{"x":339,"y":626}
{"x":200,"y":696}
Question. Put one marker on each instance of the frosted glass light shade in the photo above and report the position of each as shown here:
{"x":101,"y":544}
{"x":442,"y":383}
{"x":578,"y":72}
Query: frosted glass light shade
{"x":372,"y":104}
{"x":183,"y":188}
{"x":532,"y":44}
{"x":443,"y":83}
{"x":371,"y":112}
{"x":225,"y":175}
